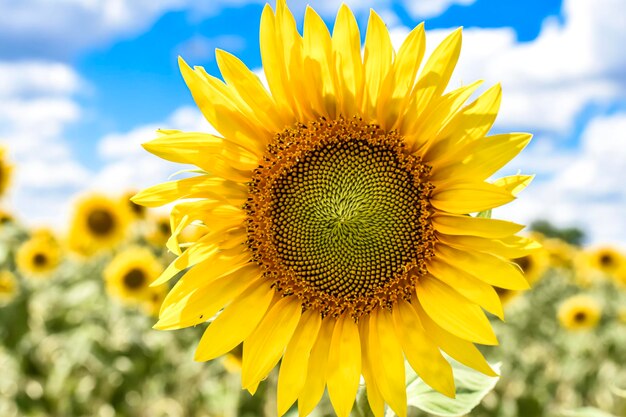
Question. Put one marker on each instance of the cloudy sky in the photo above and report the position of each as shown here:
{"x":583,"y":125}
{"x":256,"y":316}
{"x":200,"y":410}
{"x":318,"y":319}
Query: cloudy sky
{"x":84,"y":82}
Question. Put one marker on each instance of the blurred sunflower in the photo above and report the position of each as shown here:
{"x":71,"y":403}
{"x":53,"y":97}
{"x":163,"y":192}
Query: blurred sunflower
{"x":621,"y":315}
{"x":337,"y":209}
{"x":38,"y":256}
{"x":154,"y":299}
{"x":5,"y":217}
{"x":129,"y":274}
{"x":6,"y":170}
{"x":579,"y":312}
{"x":99,"y":222}
{"x":534,"y":265}
{"x":561,"y":254}
{"x":137,"y":211}
{"x":159,"y":230}
{"x":606,"y":259}
{"x":8,"y":287}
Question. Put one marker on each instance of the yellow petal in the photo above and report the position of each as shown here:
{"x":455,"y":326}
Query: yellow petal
{"x":491,"y":269}
{"x":293,"y":368}
{"x":467,"y":126}
{"x":507,"y":247}
{"x":484,"y":157}
{"x":377,"y":60}
{"x":203,"y":186}
{"x":459,"y":349}
{"x":201,"y":304}
{"x":319,"y":64}
{"x":264,"y":347}
{"x":469,"y":197}
{"x":423,"y":356}
{"x":250,"y":89}
{"x":438,"y":69}
{"x":478,"y":226}
{"x":514,"y":183}
{"x":236,"y":322}
{"x":468,"y":286}
{"x":317,"y":369}
{"x":387,"y":362}
{"x":215,"y":103}
{"x":422,"y":130}
{"x":346,"y":42}
{"x":454,"y":312}
{"x":274,"y":64}
{"x":344,"y":366}
{"x":374,"y":397}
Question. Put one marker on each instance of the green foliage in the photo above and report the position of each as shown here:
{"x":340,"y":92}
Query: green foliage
{"x":571,"y":235}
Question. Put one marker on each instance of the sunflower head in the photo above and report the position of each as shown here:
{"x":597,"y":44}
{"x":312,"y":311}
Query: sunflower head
{"x":9,"y":287}
{"x":5,"y":218}
{"x":154,"y":300}
{"x":606,"y":259}
{"x":6,"y":171}
{"x":129,"y":274}
{"x":38,"y":256}
{"x":534,"y":265}
{"x":340,"y":213}
{"x":159,"y":230}
{"x":99,"y":222}
{"x":579,"y":312}
{"x":136,"y":211}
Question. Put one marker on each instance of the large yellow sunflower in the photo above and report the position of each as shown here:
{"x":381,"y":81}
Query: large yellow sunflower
{"x":99,"y":222}
{"x":338,"y":208}
{"x":129,"y":274}
{"x":38,"y":256}
{"x":6,"y":169}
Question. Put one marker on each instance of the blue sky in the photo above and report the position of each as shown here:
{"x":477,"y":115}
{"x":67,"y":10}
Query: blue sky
{"x":86,"y":82}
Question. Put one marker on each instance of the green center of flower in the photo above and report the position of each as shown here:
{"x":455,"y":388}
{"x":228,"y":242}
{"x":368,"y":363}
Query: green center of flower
{"x":100,"y":222}
{"x":134,"y":279}
{"x":339,"y":215}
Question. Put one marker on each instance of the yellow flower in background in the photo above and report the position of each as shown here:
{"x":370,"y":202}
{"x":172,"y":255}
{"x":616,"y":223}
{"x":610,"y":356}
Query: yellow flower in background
{"x":579,"y":312}
{"x":620,"y":276}
{"x":6,"y":171}
{"x":560,"y":253}
{"x":137,"y":211}
{"x":5,"y":217}
{"x":38,"y":256}
{"x":337,"y":210}
{"x":621,"y":315}
{"x":99,"y":222}
{"x":129,"y":274}
{"x":159,"y":230}
{"x":534,"y":265}
{"x":606,"y":259}
{"x":9,"y":287}
{"x":154,"y":299}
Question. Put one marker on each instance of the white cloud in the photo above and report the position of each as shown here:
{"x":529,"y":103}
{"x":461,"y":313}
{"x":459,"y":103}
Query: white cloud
{"x":583,"y":187}
{"x":128,"y":165}
{"x":429,"y":8}
{"x":549,"y":81}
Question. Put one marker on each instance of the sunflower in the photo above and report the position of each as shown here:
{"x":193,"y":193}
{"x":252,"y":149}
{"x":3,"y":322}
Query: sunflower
{"x":99,"y":222}
{"x":5,"y":217}
{"x":338,"y":210}
{"x":38,"y":256}
{"x":6,"y":169}
{"x":579,"y":312}
{"x":8,"y":287}
{"x":606,"y":259}
{"x":534,"y":265}
{"x":129,"y":274}
{"x":159,"y":230}
{"x":561,"y":254}
{"x":137,"y":211}
{"x":154,"y":299}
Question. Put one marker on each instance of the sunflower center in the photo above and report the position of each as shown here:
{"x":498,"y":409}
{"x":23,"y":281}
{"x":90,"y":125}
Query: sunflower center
{"x":100,"y":222}
{"x":606,"y":260}
{"x":580,"y":317}
{"x":40,"y":259}
{"x":524,"y":263}
{"x":338,"y":216}
{"x":135,"y":278}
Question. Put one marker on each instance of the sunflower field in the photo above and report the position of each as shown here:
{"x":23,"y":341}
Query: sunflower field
{"x":330,"y":243}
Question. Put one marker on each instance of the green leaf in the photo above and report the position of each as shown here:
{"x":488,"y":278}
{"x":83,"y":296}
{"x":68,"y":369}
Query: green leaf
{"x":471,"y":388}
{"x":585,"y":412}
{"x":484,"y":214}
